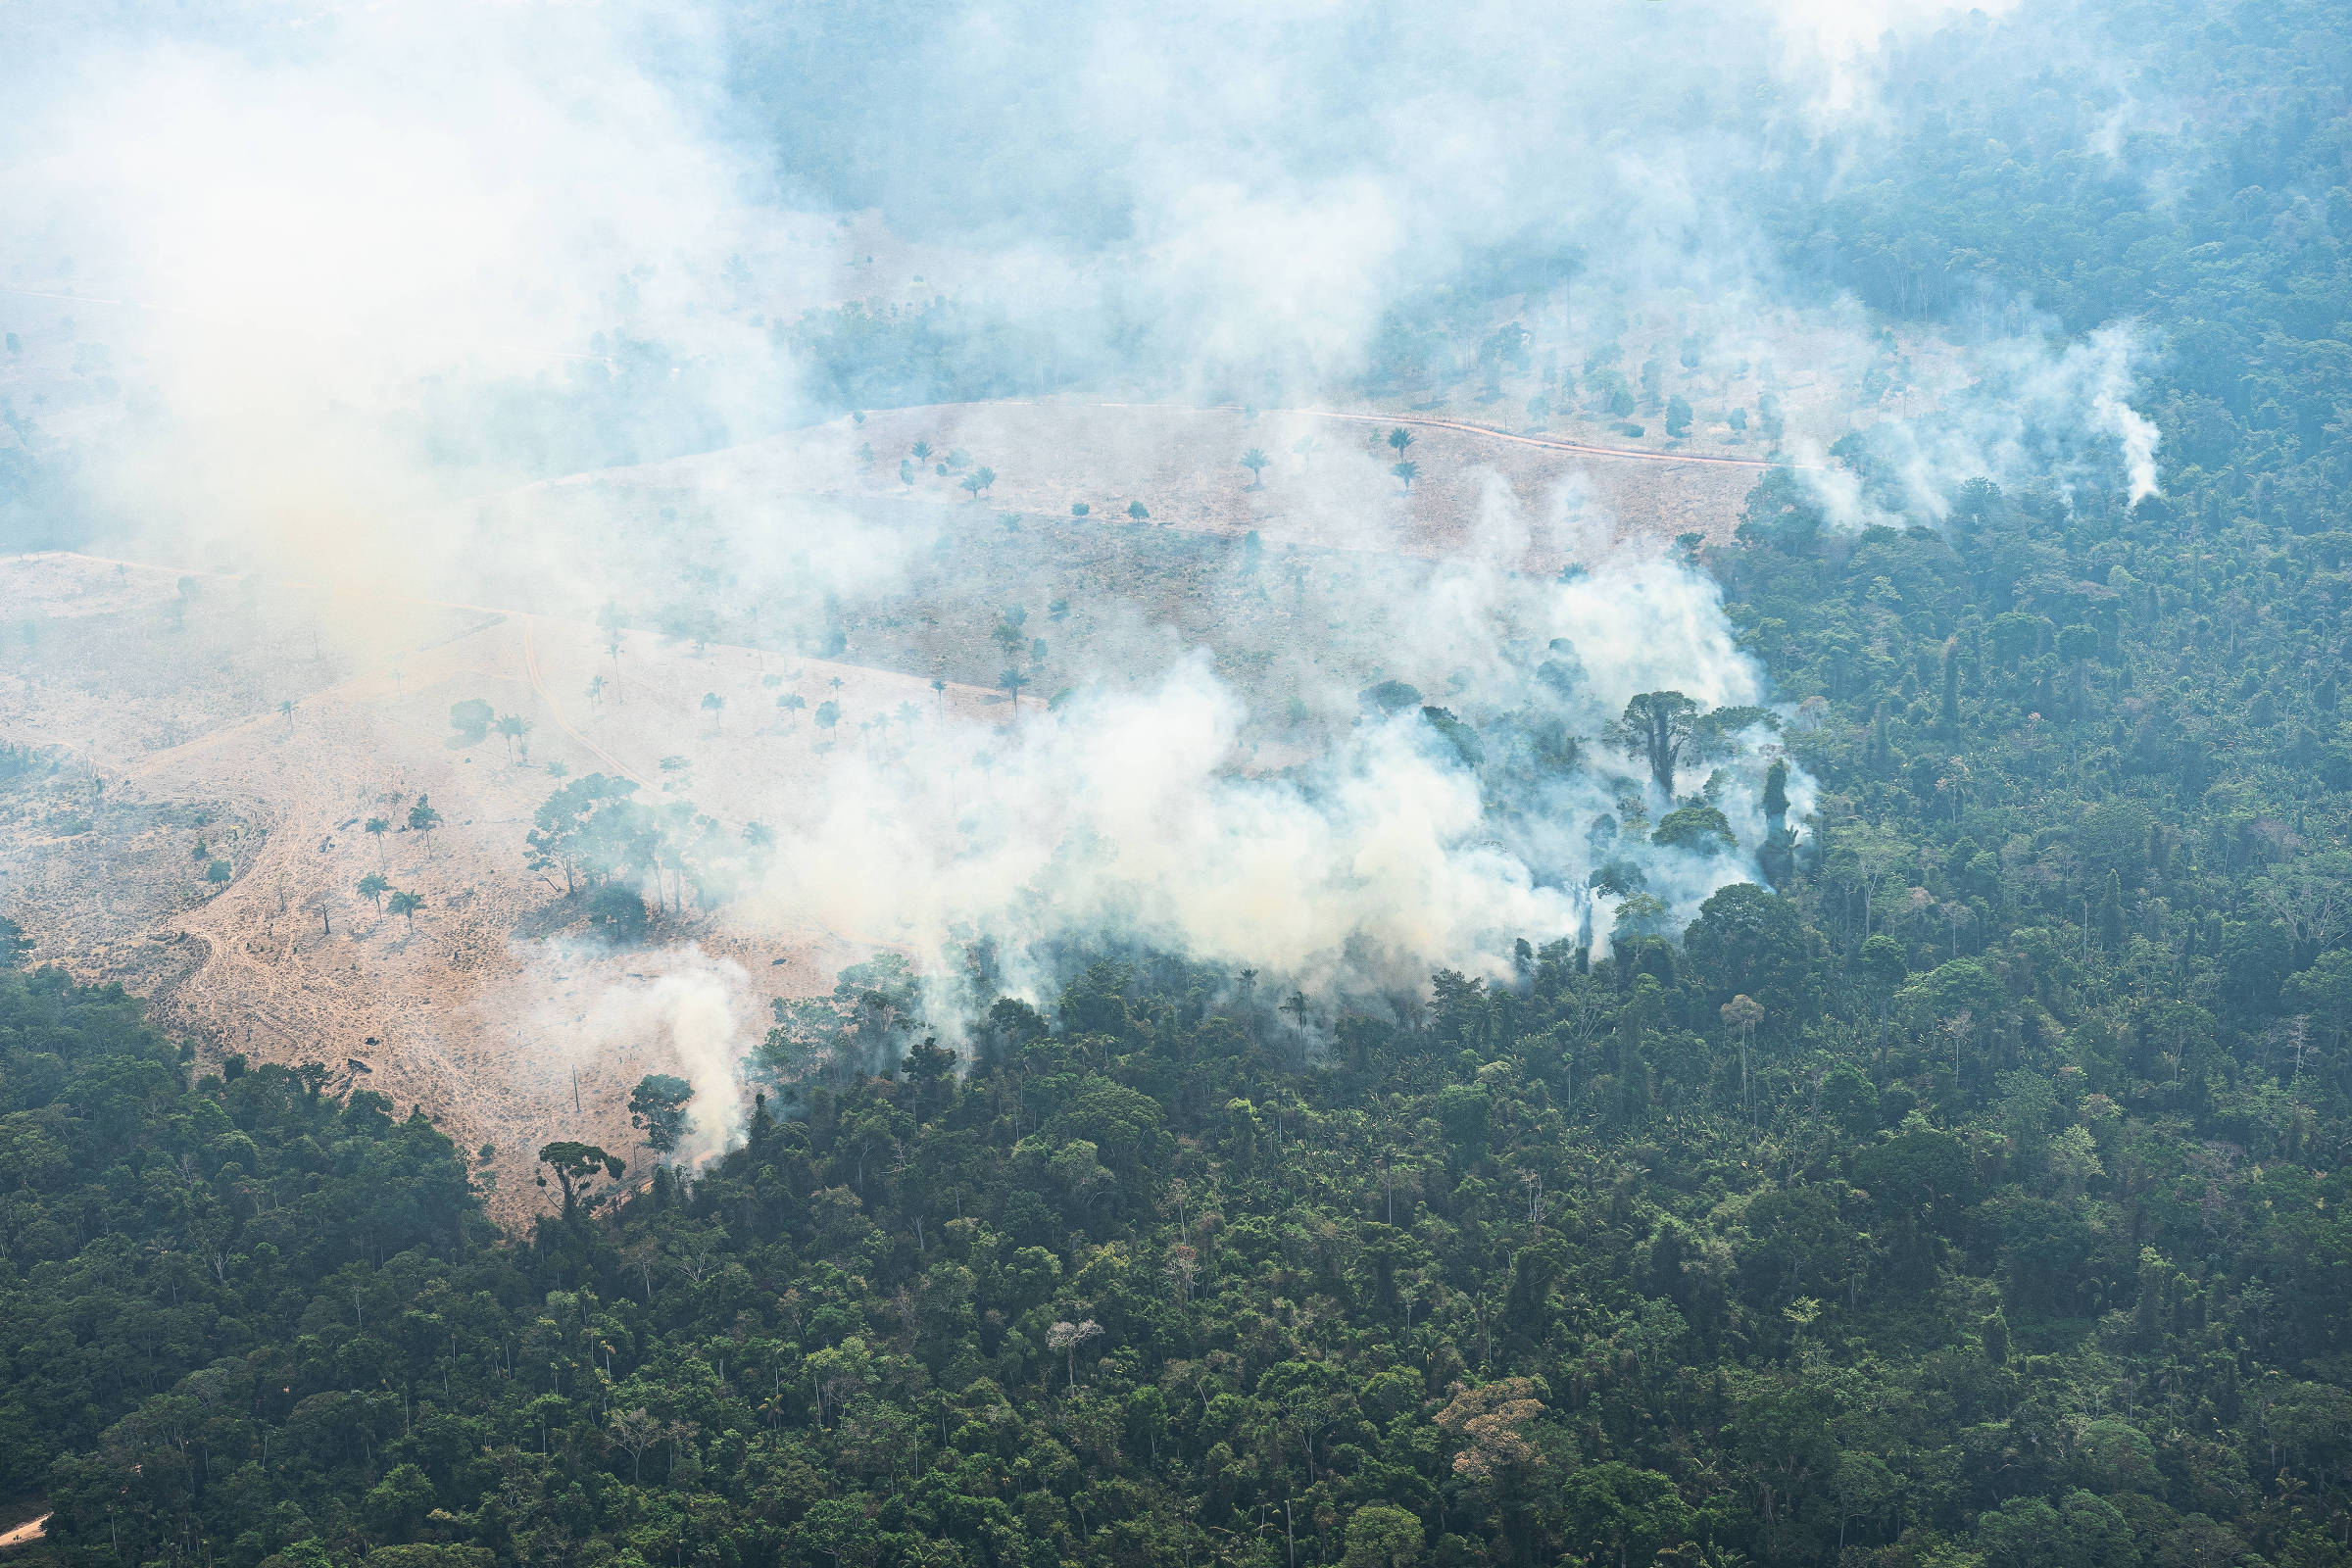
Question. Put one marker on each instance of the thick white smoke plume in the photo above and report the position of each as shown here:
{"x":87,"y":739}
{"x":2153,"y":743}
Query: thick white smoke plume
{"x":1127,"y":818}
{"x":2035,"y":410}
{"x":679,"y":1011}
{"x":314,"y":288}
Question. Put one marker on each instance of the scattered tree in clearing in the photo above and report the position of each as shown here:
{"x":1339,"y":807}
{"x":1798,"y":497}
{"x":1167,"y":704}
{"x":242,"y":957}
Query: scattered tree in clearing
{"x":372,"y":888}
{"x":1256,"y":462}
{"x":1400,"y":438}
{"x":378,"y":827}
{"x":406,"y":904}
{"x":1135,"y":510}
{"x":1009,"y":634}
{"x":713,"y":705}
{"x":1407,"y":472}
{"x":1010,"y":680}
{"x":285,"y":710}
{"x":657,"y":1109}
{"x":790,"y":704}
{"x":422,"y":819}
{"x":986,"y":475}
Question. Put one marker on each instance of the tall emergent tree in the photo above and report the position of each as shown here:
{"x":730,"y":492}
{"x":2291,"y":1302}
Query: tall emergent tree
{"x":657,"y":1109}
{"x":1657,"y":727}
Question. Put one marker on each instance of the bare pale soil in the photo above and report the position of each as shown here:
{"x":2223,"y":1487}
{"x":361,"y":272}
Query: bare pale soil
{"x":1542,"y":505}
{"x":481,"y":1008}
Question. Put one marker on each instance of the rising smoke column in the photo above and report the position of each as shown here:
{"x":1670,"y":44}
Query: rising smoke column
{"x":1127,"y":818}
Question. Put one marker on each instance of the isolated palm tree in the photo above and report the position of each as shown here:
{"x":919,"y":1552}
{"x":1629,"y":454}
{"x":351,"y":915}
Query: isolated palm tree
{"x":379,"y":827}
{"x":1256,"y":462}
{"x":1400,"y":438}
{"x":422,"y":819}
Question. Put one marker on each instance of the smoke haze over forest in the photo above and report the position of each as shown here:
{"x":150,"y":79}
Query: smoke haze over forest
{"x":337,"y":271}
